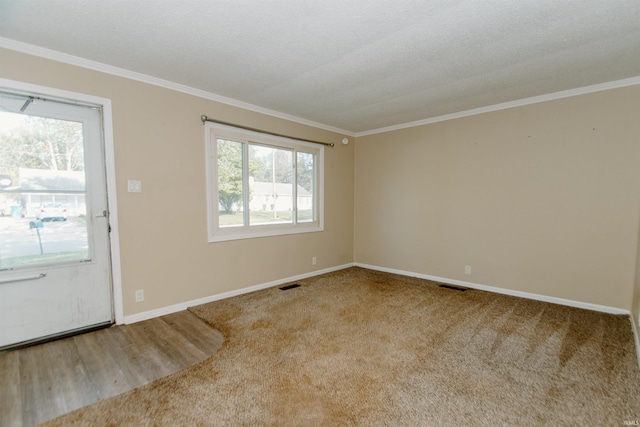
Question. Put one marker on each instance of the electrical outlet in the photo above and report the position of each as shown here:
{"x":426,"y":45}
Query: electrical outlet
{"x":139,"y":295}
{"x":134,"y":186}
{"x":467,"y":269}
{"x":314,"y":261}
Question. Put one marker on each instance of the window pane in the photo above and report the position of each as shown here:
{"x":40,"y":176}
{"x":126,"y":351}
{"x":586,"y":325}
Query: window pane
{"x":270,"y":185}
{"x":306,"y":186}
{"x":42,"y":191}
{"x":230,"y":204}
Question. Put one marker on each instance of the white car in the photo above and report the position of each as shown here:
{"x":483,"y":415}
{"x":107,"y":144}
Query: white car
{"x":51,"y":212}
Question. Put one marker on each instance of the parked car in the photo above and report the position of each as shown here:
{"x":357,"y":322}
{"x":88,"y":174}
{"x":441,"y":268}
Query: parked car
{"x":51,"y":212}
{"x":5,"y":181}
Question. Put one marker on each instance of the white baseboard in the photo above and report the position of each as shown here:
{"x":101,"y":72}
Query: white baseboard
{"x":634,"y":326}
{"x":138,"y":317}
{"x":146,"y":315}
{"x":537,"y":297}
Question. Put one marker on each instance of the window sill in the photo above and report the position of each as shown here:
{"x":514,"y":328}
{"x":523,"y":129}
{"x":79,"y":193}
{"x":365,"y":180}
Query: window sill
{"x":239,"y":233}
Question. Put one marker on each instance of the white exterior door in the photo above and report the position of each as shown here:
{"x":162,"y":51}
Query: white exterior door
{"x":55,"y":271}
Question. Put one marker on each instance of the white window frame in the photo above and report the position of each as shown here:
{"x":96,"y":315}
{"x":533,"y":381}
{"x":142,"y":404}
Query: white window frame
{"x":213,"y":132}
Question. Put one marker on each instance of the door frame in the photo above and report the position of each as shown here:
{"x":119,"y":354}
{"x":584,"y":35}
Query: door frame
{"x":110,"y":169}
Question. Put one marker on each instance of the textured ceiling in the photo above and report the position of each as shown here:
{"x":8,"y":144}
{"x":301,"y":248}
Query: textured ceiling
{"x":356,"y":65}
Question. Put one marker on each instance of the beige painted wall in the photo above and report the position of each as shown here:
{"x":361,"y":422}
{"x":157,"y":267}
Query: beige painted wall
{"x":159,"y":140}
{"x":541,"y":199}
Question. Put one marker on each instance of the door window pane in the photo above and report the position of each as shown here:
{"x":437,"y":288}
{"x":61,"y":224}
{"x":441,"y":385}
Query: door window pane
{"x":270,"y":185}
{"x":42,"y":191}
{"x":230,"y":184}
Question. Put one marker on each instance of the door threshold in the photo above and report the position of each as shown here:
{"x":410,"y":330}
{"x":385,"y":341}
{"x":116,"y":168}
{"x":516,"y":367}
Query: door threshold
{"x":54,"y":337}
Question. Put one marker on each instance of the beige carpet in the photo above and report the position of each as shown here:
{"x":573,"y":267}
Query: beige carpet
{"x":358,"y":347}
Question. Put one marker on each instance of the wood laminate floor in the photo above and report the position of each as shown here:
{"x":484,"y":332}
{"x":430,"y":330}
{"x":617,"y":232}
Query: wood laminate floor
{"x":44,"y":381}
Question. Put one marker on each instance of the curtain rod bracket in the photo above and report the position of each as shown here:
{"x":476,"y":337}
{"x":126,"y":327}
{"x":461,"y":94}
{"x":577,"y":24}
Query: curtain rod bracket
{"x":205,"y":119}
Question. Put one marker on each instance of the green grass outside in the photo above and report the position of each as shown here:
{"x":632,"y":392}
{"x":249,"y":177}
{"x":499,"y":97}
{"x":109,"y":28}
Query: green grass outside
{"x":262,"y":217}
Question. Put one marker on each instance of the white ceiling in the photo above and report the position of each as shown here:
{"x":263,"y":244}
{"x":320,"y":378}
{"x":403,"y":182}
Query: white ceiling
{"x":355,"y":65}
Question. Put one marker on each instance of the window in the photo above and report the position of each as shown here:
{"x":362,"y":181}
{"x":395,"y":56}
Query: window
{"x":261,"y":185}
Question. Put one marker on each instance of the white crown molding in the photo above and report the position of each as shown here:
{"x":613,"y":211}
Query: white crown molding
{"x":505,"y":105}
{"x":132,"y":75}
{"x":144,"y":78}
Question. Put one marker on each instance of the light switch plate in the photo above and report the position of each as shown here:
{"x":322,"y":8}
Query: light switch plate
{"x":134,"y":186}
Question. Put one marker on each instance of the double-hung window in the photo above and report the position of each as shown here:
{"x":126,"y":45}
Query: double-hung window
{"x":261,"y":185}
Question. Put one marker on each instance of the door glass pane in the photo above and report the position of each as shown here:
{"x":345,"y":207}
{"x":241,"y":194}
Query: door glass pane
{"x":306,"y":187}
{"x":270,"y":185}
{"x":42,"y":191}
{"x":230,"y":193}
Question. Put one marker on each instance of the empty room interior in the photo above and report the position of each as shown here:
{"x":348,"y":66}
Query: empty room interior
{"x":319,"y":213}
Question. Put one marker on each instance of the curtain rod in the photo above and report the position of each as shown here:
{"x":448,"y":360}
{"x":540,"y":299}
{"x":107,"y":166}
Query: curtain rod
{"x":208,"y":119}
